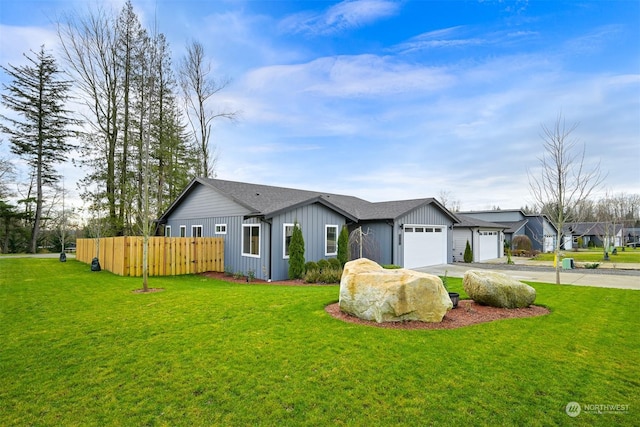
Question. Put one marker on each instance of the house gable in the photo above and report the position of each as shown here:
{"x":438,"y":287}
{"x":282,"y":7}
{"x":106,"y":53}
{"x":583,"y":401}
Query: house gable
{"x":204,"y":202}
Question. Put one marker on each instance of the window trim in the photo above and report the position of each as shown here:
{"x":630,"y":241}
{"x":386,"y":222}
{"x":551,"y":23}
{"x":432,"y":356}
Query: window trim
{"x":259,"y":241}
{"x":183,"y":231}
{"x":194,"y":227}
{"x":223,"y":229}
{"x":284,"y":238}
{"x":326,"y":240}
{"x":167,"y":231}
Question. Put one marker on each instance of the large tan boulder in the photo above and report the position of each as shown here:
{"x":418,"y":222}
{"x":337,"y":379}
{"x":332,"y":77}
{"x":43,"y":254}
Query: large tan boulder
{"x":497,"y":289}
{"x":371,"y":292}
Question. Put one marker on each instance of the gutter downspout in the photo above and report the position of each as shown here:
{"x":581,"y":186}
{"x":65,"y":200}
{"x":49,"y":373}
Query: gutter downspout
{"x":270,"y":256}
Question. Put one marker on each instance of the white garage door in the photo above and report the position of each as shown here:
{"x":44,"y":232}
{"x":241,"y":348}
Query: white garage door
{"x":548,"y":244}
{"x":488,"y":245}
{"x":424,"y":245}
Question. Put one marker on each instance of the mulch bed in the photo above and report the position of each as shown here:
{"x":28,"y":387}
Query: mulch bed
{"x":231,"y":279}
{"x":467,"y":313}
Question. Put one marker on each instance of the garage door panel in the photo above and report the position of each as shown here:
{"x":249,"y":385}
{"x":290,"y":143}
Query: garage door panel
{"x":488,"y":245}
{"x":424,"y":245}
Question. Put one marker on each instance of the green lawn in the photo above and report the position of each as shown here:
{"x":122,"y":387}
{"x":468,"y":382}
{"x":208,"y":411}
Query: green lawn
{"x":629,"y":255}
{"x":80,"y":348}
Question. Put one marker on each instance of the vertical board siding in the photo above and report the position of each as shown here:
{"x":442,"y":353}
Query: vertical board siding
{"x":379,"y":235}
{"x":312,"y":220}
{"x":167,"y":256}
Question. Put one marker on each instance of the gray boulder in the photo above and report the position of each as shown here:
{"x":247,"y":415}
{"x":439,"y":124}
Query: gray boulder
{"x":497,"y":289}
{"x":371,"y":292}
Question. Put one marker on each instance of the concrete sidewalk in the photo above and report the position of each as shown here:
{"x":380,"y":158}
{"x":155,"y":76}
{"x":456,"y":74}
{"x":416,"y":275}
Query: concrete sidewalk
{"x":627,"y":279}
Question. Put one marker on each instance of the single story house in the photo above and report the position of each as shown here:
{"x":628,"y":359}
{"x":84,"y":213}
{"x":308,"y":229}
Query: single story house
{"x":256,"y":222}
{"x":591,"y":233}
{"x":537,"y":227}
{"x":486,"y":239}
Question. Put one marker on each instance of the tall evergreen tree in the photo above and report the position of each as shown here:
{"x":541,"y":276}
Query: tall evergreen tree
{"x":343,"y":246}
{"x":468,"y":253}
{"x":296,"y":253}
{"x":39,"y":132}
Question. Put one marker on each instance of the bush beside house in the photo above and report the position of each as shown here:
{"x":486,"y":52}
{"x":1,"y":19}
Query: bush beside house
{"x":468,"y":254}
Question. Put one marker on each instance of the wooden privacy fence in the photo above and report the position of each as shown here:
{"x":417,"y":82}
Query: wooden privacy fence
{"x":168,"y":256}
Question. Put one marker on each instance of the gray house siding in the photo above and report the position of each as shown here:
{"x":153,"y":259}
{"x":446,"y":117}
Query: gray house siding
{"x":497,"y":216}
{"x":377,"y":242}
{"x":206,"y":207}
{"x":534,"y":230}
{"x":205,"y":202}
{"x":312,"y":220}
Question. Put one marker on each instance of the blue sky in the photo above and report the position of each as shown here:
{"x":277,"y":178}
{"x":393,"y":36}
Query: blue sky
{"x":398,"y":99}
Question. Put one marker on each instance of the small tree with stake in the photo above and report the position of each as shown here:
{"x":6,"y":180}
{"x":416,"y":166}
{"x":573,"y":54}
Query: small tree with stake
{"x":563,"y":180}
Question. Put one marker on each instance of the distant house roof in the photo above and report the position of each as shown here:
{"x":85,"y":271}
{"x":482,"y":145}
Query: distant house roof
{"x":515,"y":226}
{"x":468,"y":221}
{"x":588,"y":229}
{"x":511,"y":226}
{"x":268,"y":201}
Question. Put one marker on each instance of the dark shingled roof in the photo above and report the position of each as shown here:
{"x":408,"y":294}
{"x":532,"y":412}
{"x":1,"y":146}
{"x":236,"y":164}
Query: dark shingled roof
{"x":268,"y":201}
{"x":514,"y":226}
{"x":589,"y":229}
{"x":468,"y":221}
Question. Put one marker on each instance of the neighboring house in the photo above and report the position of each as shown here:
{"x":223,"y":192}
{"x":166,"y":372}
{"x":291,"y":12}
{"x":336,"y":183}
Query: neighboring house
{"x":256,"y":222}
{"x":631,"y":235}
{"x":592,"y":234}
{"x":537,"y":227}
{"x":486,"y":239}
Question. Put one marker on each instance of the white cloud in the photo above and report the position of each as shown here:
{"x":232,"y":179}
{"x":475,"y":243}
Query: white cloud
{"x":16,"y":41}
{"x":340,"y":17}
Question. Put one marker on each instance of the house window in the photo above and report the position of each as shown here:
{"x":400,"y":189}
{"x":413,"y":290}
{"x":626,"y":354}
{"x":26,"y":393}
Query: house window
{"x":183,"y":231}
{"x":287,"y":232}
{"x":251,"y":240}
{"x":330,"y":239}
{"x":221,"y":228}
{"x":196,"y":231}
{"x":167,"y":231}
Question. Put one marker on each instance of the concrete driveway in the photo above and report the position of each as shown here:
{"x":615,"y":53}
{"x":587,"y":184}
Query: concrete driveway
{"x":603,"y":278}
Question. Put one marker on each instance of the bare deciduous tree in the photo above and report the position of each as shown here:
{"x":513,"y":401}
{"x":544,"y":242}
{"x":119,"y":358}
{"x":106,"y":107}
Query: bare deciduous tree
{"x":198,"y":87}
{"x":446,"y":198}
{"x":563,"y":180}
{"x":90,"y":48}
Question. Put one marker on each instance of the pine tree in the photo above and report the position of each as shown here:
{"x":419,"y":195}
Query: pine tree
{"x":468,"y":254}
{"x":343,"y":246}
{"x":296,"y":253}
{"x":38,"y":135}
